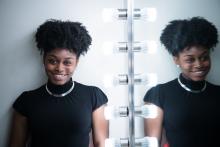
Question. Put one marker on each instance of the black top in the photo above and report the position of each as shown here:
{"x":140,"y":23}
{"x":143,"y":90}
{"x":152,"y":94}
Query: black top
{"x":60,"y":121}
{"x":190,"y":119}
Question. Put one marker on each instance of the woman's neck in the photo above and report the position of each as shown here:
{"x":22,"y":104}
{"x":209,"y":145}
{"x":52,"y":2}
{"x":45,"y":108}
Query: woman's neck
{"x":59,"y":89}
{"x":193,"y":85}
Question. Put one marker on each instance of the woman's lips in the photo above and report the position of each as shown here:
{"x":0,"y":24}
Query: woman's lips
{"x":200,"y":73}
{"x":59,"y":77}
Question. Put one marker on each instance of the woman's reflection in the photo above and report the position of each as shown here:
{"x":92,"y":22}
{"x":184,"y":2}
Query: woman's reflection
{"x":188,"y":106}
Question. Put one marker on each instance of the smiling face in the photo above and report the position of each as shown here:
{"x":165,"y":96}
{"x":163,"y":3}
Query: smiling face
{"x":194,"y":62}
{"x":60,"y":65}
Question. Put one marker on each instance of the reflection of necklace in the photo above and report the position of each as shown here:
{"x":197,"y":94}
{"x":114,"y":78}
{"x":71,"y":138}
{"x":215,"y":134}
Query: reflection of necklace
{"x":62,"y":94}
{"x":191,"y":90}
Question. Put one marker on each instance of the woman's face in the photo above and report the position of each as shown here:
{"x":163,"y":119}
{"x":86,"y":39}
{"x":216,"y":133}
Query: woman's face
{"x":194,"y":62}
{"x":59,"y":65}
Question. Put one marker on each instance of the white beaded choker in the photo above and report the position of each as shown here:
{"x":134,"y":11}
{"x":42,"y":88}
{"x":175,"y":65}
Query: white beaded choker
{"x":62,"y":94}
{"x":190,"y":90}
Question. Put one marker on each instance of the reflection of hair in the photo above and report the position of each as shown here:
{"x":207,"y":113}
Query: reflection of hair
{"x":62,"y":34}
{"x":179,"y":34}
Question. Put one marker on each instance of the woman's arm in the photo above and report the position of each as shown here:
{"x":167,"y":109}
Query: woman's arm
{"x":100,"y":127}
{"x":19,"y":131}
{"x":153,"y":126}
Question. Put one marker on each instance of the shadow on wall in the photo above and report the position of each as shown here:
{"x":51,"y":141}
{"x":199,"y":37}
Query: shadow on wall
{"x":5,"y":125}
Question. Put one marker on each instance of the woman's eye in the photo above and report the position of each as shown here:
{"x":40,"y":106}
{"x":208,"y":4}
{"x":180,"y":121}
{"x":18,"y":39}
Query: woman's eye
{"x":52,"y":61}
{"x":67,"y":63}
{"x":189,"y":60}
{"x":205,"y":58}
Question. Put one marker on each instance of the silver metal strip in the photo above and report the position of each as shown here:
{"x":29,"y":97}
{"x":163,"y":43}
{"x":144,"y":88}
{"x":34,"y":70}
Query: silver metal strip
{"x":130,"y":41}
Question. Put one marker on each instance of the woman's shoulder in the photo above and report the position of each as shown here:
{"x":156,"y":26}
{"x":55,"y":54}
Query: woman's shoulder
{"x":213,"y":86}
{"x":79,"y":85}
{"x":97,"y":96}
{"x":169,"y":84}
{"x":25,"y":99}
{"x":34,"y":91}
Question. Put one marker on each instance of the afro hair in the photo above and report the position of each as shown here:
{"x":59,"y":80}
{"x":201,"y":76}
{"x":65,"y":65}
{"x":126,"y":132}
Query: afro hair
{"x":181,"y":34}
{"x":54,"y":34}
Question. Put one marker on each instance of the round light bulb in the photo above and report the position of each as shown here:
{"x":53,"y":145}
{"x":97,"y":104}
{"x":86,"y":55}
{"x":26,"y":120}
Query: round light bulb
{"x":146,"y":111}
{"x":112,"y":112}
{"x":149,"y":142}
{"x":112,"y":142}
{"x":150,"y":14}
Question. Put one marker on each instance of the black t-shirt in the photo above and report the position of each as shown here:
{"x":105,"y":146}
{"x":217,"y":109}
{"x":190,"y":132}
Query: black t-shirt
{"x":190,"y":119}
{"x":60,"y":121}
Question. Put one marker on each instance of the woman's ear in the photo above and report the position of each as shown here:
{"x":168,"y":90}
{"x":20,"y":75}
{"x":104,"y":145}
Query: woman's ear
{"x":176,"y":60}
{"x":77,"y":61}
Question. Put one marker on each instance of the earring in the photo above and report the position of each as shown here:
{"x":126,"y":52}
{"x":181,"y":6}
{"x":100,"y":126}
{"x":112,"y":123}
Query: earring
{"x":178,"y":65}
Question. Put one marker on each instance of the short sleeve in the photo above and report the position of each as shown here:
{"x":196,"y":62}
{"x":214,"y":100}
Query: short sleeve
{"x":98,"y":98}
{"x":154,"y":96}
{"x":20,"y":104}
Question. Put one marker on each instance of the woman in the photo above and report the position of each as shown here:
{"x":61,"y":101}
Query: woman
{"x":188,"y":105}
{"x":62,"y":112}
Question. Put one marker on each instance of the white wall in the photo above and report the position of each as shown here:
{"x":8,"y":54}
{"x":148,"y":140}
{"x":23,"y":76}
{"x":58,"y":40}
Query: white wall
{"x":21,"y":65}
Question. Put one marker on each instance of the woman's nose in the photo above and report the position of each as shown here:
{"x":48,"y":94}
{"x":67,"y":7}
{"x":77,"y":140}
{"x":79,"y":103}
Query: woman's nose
{"x":59,"y":67}
{"x":198,"y":63}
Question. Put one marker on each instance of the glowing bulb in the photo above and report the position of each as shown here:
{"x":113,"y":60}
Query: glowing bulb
{"x":149,"y":46}
{"x":150,"y":79}
{"x":112,"y":112}
{"x":122,"y":79}
{"x":112,"y":142}
{"x":146,"y":111}
{"x":108,"y":47}
{"x":108,"y":81}
{"x":147,"y":142}
{"x":140,"y":142}
{"x":112,"y":47}
{"x":111,"y":80}
{"x":110,"y":14}
{"x":149,"y":14}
